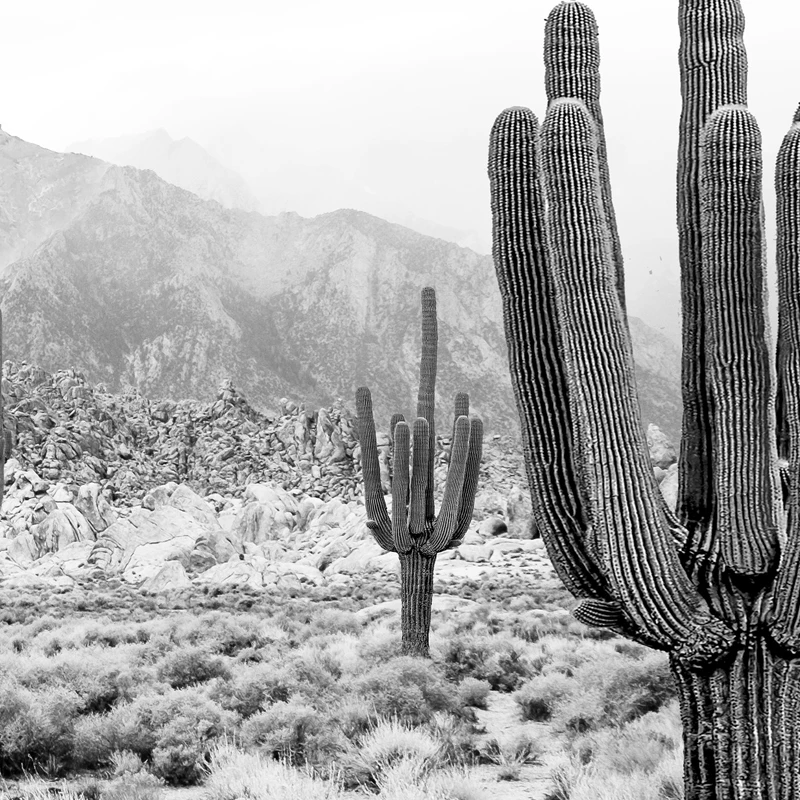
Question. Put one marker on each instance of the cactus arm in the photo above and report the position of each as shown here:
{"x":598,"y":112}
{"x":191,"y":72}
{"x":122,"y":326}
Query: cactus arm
{"x":392,"y":425}
{"x":447,"y":520}
{"x":461,"y":409}
{"x":713,"y":73}
{"x":402,"y":538}
{"x":427,"y":386}
{"x":572,"y":69}
{"x":785,"y":623}
{"x":633,"y":538}
{"x":472,"y":473}
{"x":377,"y":515}
{"x":418,"y":521}
{"x":746,"y":489}
{"x":534,"y":350}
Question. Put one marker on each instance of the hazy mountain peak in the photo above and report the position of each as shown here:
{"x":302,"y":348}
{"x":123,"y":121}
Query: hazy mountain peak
{"x":182,"y":162}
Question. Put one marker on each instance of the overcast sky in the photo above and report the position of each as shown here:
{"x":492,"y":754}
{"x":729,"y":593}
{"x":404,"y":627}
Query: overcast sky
{"x":398,"y":97}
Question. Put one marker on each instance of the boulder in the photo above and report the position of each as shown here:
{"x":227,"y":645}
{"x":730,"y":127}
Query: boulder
{"x":170,"y":577}
{"x":662,"y":453}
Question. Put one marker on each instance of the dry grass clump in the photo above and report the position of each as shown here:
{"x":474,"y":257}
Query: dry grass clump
{"x":641,"y":760}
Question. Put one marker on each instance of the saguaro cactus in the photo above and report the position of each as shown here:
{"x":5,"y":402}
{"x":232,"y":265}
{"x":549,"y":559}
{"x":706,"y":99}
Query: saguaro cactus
{"x":718,"y":584}
{"x":414,"y":531}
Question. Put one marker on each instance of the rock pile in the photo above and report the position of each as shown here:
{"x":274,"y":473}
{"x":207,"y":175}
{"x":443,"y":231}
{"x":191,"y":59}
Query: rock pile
{"x":169,"y":495}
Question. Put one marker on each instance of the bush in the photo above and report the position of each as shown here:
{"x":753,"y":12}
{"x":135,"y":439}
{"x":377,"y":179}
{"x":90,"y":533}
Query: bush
{"x":538,"y":697}
{"x":134,"y":786}
{"x":473,"y":692}
{"x":296,"y":733}
{"x":254,"y":688}
{"x":191,"y":666}
{"x":176,"y":731}
{"x":234,"y":774}
{"x":36,"y":730}
{"x":408,"y":688}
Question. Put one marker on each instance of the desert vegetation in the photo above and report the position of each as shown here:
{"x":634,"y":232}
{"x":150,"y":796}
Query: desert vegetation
{"x":116,"y":695}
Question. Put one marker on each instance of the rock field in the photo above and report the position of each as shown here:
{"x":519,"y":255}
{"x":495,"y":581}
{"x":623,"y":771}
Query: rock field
{"x":169,"y":495}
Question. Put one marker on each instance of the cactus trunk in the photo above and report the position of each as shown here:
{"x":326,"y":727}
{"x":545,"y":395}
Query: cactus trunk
{"x":740,"y":727}
{"x":416,"y":593}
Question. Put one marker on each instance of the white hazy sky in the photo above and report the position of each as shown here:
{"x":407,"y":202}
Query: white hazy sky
{"x":398,"y":97}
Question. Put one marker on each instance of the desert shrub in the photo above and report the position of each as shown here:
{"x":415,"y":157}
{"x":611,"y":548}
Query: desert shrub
{"x":392,"y":741}
{"x":455,"y":737}
{"x":252,"y":689}
{"x":175,"y":731}
{"x":640,"y":746}
{"x":355,"y":716}
{"x":473,"y":692}
{"x":191,"y":666}
{"x":640,"y":686}
{"x":124,"y":762}
{"x":316,"y":673}
{"x":36,"y":730}
{"x":408,"y":688}
{"x":233,"y":773}
{"x":296,"y":733}
{"x":134,"y":786}
{"x":333,"y":620}
{"x":507,"y":667}
{"x":465,"y":655}
{"x":538,"y":697}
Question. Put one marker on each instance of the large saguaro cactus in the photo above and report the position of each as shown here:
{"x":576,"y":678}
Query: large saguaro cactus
{"x":717,"y":585}
{"x":413,"y":530}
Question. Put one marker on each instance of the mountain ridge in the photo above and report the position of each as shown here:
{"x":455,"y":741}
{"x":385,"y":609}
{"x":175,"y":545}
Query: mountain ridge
{"x":147,"y":284}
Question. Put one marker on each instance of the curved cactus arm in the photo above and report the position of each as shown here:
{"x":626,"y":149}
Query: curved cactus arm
{"x":713,"y":73}
{"x":785,"y":626}
{"x":418,"y":520}
{"x":748,"y":503}
{"x":633,"y":538}
{"x":471,"y":476}
{"x":447,"y":520}
{"x":427,"y":386}
{"x":572,"y":69}
{"x":402,"y":538}
{"x":377,"y":516}
{"x":535,"y":351}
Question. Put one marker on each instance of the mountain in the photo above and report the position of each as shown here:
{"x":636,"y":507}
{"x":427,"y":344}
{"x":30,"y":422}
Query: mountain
{"x":183,"y":163}
{"x":146,"y":284}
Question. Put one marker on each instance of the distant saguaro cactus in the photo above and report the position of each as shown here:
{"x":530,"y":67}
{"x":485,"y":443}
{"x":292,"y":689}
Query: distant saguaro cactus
{"x":414,"y":531}
{"x":718,"y":584}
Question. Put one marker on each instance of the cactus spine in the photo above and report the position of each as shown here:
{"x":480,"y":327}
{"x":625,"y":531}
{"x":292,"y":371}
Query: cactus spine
{"x":414,"y":531}
{"x":718,"y":585}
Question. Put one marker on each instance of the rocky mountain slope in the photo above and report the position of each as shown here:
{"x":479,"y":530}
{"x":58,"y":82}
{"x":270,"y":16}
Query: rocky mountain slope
{"x":141,"y":283}
{"x":182,"y":163}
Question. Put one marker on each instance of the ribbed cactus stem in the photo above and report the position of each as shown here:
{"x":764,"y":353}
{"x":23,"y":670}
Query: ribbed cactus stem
{"x":572,"y":70}
{"x":535,"y":349}
{"x":427,"y":385}
{"x":746,"y":511}
{"x":786,"y":613}
{"x":377,"y":514}
{"x":447,"y":520}
{"x":392,"y":425}
{"x":417,"y":518}
{"x":632,"y":535}
{"x":400,"y":489}
{"x":713,"y":73}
